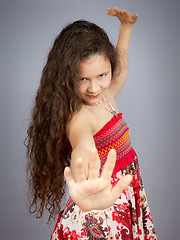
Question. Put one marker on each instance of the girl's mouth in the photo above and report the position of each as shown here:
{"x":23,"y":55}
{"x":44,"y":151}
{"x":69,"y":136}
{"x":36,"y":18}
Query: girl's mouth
{"x":94,"y":96}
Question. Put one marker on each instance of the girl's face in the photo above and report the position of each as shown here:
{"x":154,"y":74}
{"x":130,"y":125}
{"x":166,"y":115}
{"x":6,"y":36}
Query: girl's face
{"x":94,"y":78}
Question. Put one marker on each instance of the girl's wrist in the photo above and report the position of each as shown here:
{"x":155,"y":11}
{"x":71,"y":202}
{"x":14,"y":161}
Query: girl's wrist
{"x":126,"y":27}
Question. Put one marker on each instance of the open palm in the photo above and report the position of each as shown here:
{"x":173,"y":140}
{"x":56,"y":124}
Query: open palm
{"x":123,"y":16}
{"x":95,"y":192}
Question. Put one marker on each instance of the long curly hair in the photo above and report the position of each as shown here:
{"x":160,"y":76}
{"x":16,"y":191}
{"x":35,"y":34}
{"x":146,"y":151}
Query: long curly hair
{"x":57,"y":98}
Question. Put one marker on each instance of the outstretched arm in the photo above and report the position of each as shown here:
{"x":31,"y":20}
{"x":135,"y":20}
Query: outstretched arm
{"x":93,"y":191}
{"x":127,"y":21}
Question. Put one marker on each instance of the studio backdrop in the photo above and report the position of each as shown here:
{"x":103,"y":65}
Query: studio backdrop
{"x":149,"y":101}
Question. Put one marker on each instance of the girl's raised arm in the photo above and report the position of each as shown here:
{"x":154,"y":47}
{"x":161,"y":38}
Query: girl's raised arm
{"x":127,"y":22}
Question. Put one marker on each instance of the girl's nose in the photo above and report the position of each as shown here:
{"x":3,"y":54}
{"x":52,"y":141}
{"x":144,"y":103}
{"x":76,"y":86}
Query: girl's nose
{"x":93,"y":86}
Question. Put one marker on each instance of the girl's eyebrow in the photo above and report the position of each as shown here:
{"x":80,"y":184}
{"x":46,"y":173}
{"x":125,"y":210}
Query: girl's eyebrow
{"x":105,"y":72}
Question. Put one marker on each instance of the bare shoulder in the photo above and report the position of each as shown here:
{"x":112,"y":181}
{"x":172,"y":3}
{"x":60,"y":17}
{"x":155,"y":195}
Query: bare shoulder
{"x":80,"y":124}
{"x":83,"y":116}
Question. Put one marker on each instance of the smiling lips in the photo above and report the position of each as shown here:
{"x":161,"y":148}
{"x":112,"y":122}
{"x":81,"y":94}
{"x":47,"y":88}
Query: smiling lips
{"x":93,"y":96}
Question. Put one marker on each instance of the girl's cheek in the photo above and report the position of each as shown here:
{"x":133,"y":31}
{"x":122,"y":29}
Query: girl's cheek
{"x":106,"y":83}
{"x":82,"y":87}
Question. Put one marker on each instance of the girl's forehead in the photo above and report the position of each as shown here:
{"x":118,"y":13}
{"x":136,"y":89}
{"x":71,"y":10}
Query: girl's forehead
{"x":95,"y":64}
{"x":94,"y":58}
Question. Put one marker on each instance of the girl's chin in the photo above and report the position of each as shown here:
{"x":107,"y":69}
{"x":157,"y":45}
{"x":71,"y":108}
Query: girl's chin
{"x":92,"y":101}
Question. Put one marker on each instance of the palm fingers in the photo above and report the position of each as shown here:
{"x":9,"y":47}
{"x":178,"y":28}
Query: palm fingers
{"x":122,"y":15}
{"x":109,"y":165}
{"x":94,"y":165}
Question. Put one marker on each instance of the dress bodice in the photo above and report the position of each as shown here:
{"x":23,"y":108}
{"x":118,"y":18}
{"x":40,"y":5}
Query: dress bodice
{"x":115,"y":134}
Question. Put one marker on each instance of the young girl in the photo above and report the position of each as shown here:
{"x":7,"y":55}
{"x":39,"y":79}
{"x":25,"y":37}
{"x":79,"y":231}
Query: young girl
{"x":75,"y":122}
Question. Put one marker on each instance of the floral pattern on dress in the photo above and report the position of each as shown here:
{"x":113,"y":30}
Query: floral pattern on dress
{"x":129,"y":218}
{"x":94,"y":228}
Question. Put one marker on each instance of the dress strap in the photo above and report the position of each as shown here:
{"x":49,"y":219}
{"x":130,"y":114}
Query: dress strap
{"x":111,"y":106}
{"x":111,"y":109}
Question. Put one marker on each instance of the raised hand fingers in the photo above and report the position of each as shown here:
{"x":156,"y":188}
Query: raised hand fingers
{"x":111,"y":12}
{"x":94,"y":165}
{"x":109,"y":165}
{"x":68,"y":177}
{"x":118,"y":11}
{"x":135,"y":17}
{"x":114,"y":12}
{"x":79,"y":173}
{"x":123,"y":15}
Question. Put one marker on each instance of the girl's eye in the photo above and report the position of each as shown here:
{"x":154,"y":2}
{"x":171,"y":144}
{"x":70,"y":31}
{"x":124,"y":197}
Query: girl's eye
{"x":102,"y":75}
{"x":82,"y":79}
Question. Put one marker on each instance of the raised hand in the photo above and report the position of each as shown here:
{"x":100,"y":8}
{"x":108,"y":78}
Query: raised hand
{"x":95,"y":192}
{"x":124,"y":17}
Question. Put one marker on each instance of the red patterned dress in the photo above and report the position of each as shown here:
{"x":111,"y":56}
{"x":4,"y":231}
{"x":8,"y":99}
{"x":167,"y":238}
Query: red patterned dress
{"x":129,"y":217}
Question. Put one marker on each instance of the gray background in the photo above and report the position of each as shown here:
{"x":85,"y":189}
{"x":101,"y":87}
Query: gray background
{"x":149,"y":100}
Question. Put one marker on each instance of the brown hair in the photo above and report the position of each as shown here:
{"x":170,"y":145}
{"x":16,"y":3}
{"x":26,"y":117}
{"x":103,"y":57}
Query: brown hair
{"x":56,"y":100}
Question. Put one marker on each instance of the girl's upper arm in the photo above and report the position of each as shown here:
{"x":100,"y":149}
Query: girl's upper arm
{"x":79,"y":131}
{"x":117,"y":84}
